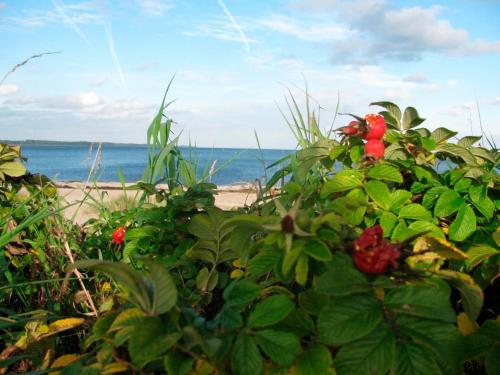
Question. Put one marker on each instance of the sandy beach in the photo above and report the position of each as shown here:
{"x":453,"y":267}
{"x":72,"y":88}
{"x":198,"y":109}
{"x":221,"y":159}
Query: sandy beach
{"x":228,"y":197}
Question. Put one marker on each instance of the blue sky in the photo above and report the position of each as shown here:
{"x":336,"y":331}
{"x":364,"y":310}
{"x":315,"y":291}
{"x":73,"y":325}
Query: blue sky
{"x":234,"y":61}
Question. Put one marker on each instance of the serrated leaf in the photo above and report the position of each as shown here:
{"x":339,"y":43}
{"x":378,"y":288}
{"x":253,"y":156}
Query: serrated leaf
{"x":385,"y":172}
{"x":414,"y":211}
{"x":442,"y":134}
{"x":245,"y":356}
{"x":468,"y":141}
{"x":318,"y":250}
{"x":457,"y":151}
{"x":281,"y":347}
{"x":150,"y":340}
{"x":478,"y":195}
{"x":393,"y":115}
{"x":127,"y":318}
{"x":341,"y":278}
{"x":241,"y":293}
{"x":270,"y":311}
{"x":411,"y":118}
{"x":12,"y":168}
{"x":314,"y":361}
{"x":370,"y":355}
{"x":463,"y":225}
{"x":478,"y":254}
{"x":348,"y":318}
{"x":413,"y":359}
{"x":448,"y":203}
{"x":379,"y":193}
{"x":432,"y":195}
{"x":388,"y":221}
{"x":164,"y":289}
{"x":423,"y":300}
{"x":344,"y":180}
{"x":471,"y":293}
{"x":398,"y":199}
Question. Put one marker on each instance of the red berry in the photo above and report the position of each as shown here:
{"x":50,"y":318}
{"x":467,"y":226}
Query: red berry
{"x":373,"y":254}
{"x":351,"y":129}
{"x":118,"y":235}
{"x":376,"y":126}
{"x":375,"y":147}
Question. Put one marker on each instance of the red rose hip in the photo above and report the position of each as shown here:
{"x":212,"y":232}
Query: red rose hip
{"x":376,"y":126}
{"x":375,"y":148}
{"x":118,"y":235}
{"x":351,"y":129}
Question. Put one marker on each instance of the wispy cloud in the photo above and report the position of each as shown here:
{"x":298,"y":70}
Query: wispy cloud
{"x":60,"y":9}
{"x":8,"y":89}
{"x":155,"y":8}
{"x":243,"y":37}
{"x":112,"y":51}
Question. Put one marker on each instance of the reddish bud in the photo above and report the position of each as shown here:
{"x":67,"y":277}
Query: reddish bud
{"x":118,"y":235}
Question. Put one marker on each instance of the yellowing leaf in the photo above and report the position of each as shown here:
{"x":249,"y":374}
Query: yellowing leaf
{"x":127,"y":318}
{"x":63,"y":361}
{"x":113,"y":368}
{"x":236,"y":273}
{"x":63,"y":325}
{"x":465,"y":324}
{"x":438,"y":246}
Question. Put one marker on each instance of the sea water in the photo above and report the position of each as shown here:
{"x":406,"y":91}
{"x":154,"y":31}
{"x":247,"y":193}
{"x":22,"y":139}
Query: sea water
{"x":73,"y":162}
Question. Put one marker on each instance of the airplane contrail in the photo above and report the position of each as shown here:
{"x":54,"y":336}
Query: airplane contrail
{"x":69,"y":21}
{"x":238,"y":28}
{"x":112,"y":51}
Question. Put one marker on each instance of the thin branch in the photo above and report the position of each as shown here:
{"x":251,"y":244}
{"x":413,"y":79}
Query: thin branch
{"x":17,"y":66}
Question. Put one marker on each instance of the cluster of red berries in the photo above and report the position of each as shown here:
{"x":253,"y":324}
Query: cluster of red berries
{"x":118,"y":235}
{"x":372,"y":128}
{"x":372,"y":253}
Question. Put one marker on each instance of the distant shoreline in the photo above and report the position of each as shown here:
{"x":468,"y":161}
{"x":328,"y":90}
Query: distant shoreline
{"x":36,"y":142}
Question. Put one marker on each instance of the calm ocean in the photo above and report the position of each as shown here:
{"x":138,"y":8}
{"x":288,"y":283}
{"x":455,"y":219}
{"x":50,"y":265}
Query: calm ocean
{"x":72,"y":162}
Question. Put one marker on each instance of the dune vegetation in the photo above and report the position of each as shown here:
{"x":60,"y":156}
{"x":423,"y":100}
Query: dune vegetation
{"x":373,"y":250}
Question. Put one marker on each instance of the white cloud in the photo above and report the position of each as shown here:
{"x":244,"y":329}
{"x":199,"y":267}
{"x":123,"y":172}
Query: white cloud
{"x":98,"y":81}
{"x":311,"y":31}
{"x":155,"y":8}
{"x":385,"y":32}
{"x":496,"y":101}
{"x":461,"y":109}
{"x":218,"y":28}
{"x":6,"y":90}
{"x":417,"y":78}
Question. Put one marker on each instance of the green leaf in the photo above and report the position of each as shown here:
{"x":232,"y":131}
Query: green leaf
{"x":442,"y":134}
{"x":413,"y":359}
{"x":463,"y":225}
{"x":388,"y":221}
{"x":492,"y":361}
{"x":281,"y":347}
{"x":443,"y":341}
{"x":312,"y":301}
{"x":370,"y":355}
{"x":398,"y":199}
{"x":411,"y":118}
{"x":344,"y":180}
{"x":393,"y":114}
{"x":240,"y":293}
{"x":448,"y":203}
{"x":318,"y":250}
{"x":478,"y":254}
{"x":439,"y":246}
{"x":125,"y":275}
{"x":379,"y":193}
{"x":414,"y":211}
{"x":178,"y":364}
{"x":164,"y":290}
{"x":314,"y":361}
{"x":426,"y":227}
{"x":302,"y":269}
{"x":341,"y":278}
{"x":348,"y":318}
{"x":471,"y":294}
{"x":478,"y":195}
{"x":245,"y":356}
{"x":230,"y":318}
{"x":385,"y":172}
{"x":457,"y":151}
{"x":150,"y":340}
{"x":431,"y":195}
{"x":206,"y":280}
{"x":270,"y":311}
{"x":424,"y":300}
{"x":468,"y":141}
